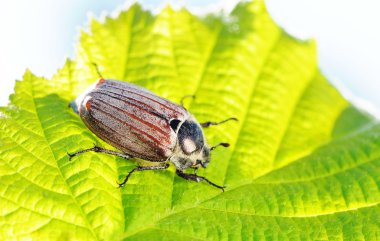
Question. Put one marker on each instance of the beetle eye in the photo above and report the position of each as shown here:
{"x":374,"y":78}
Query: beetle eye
{"x":174,"y":124}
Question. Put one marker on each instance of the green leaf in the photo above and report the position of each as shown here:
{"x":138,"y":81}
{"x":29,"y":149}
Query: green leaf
{"x":304,"y":164}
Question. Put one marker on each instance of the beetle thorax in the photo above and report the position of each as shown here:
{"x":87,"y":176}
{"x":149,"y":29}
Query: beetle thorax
{"x":191,"y":149}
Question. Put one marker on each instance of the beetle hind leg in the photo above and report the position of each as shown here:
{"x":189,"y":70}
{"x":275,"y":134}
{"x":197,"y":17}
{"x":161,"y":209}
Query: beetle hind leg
{"x":142,"y":168}
{"x":196,"y":178}
{"x":101,"y":150}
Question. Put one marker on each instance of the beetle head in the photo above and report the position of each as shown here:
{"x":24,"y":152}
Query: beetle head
{"x":191,"y":150}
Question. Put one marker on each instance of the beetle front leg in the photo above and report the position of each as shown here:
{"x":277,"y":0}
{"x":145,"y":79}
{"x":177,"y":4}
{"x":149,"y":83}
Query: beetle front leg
{"x":211,"y":123}
{"x":102,"y":150}
{"x":195,"y":178}
{"x":142,"y":168}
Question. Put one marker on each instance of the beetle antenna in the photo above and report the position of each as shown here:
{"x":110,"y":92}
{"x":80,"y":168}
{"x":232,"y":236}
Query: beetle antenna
{"x":220,"y":144}
{"x":97,"y":69}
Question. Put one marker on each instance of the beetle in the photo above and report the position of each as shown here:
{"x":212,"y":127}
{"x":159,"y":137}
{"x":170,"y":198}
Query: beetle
{"x":143,"y":125}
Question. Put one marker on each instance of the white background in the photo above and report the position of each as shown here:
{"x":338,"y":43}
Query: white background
{"x":40,"y":34}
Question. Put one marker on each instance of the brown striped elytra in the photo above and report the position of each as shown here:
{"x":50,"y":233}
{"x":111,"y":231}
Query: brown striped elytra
{"x":143,"y":125}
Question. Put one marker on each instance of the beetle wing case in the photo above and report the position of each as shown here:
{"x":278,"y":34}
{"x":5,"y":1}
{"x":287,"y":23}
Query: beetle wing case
{"x":130,"y":118}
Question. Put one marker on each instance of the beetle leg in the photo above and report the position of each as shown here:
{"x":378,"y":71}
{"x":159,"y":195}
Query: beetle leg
{"x":102,"y":150}
{"x":185,"y":97}
{"x":142,"y":168}
{"x":211,"y":123}
{"x":195,"y":178}
{"x":224,"y":144}
{"x":97,"y":70}
{"x":195,"y":170}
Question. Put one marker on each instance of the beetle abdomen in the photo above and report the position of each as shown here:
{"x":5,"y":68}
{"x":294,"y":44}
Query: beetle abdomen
{"x":131,"y":118}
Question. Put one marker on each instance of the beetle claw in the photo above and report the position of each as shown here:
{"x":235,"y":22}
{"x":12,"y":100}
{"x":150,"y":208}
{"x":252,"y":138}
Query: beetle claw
{"x":70,"y":155}
{"x":120,"y":185}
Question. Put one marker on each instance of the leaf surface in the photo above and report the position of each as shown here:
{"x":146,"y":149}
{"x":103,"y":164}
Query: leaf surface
{"x":303,"y":164}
